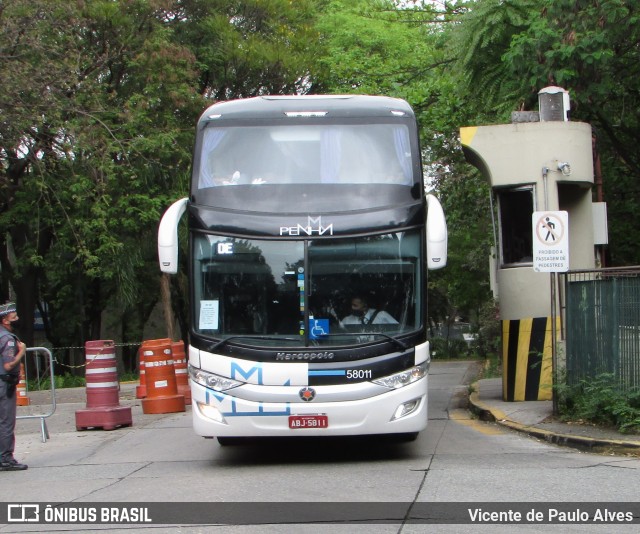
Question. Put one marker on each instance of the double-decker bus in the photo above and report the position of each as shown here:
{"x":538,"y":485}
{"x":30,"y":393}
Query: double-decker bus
{"x":310,"y":235}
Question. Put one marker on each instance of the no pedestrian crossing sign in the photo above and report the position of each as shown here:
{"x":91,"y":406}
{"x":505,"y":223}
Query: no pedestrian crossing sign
{"x":550,"y":241}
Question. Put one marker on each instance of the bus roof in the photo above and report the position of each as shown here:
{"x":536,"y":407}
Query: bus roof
{"x":276,"y":107}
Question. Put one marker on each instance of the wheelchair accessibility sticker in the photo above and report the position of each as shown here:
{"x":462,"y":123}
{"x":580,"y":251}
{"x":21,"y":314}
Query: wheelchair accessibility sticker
{"x":318,"y":328}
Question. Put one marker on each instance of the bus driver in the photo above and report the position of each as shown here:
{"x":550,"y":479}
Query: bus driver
{"x":361,"y":313}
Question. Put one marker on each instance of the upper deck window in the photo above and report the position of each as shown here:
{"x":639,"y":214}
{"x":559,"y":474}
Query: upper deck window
{"x":305,"y":154}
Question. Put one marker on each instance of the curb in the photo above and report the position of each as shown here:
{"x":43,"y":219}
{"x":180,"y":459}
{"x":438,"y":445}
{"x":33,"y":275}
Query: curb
{"x":598,"y":445}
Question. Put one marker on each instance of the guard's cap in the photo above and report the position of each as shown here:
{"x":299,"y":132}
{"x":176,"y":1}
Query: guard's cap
{"x":7,"y":308}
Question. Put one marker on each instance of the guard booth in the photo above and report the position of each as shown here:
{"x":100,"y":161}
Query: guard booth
{"x":541,"y":162}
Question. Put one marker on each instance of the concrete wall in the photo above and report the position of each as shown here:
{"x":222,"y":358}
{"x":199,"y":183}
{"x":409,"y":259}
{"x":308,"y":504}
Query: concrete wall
{"x":514,"y":154}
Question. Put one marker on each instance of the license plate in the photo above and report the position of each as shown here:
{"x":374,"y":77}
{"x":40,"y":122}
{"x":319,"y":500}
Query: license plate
{"x":308,"y":421}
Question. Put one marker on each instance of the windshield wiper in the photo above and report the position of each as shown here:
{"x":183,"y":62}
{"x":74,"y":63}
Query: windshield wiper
{"x":395,"y":340}
{"x":214,"y":346}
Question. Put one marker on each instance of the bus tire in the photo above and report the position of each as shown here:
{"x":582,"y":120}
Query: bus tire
{"x":406,"y":437}
{"x":227,"y":441}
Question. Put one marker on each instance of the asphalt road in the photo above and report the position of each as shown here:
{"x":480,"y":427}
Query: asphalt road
{"x":457,"y":459}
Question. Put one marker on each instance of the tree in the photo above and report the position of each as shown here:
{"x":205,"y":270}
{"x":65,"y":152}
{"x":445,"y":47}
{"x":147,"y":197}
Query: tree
{"x":248,"y":47}
{"x":98,"y":102}
{"x":588,"y":47}
{"x":595,"y":54}
{"x":377,"y":47}
{"x":370,"y":46}
{"x":478,"y":42}
{"x":93,"y":144}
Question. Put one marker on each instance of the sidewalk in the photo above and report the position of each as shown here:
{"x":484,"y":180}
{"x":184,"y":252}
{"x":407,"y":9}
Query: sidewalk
{"x":535,"y":418}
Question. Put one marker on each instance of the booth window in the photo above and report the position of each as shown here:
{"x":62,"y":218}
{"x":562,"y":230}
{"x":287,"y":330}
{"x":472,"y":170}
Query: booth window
{"x":516,"y":209}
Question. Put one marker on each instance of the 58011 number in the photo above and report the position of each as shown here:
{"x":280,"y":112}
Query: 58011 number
{"x":358,"y":374}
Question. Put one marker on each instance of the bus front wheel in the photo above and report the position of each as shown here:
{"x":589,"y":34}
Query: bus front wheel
{"x":226,"y":441}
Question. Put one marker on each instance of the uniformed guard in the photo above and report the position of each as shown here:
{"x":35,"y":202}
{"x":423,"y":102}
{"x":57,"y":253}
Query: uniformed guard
{"x":12,"y":350}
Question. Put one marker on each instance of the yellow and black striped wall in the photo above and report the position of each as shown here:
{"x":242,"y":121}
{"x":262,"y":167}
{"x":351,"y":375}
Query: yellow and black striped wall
{"x":527,"y":359}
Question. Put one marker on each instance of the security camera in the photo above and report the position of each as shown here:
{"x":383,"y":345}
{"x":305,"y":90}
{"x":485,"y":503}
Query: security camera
{"x":564,"y":168}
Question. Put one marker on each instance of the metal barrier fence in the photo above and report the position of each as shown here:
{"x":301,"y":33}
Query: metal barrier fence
{"x":43,"y":425}
{"x":602,"y":324}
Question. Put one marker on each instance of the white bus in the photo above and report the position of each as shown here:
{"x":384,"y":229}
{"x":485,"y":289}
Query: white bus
{"x":310,"y":236}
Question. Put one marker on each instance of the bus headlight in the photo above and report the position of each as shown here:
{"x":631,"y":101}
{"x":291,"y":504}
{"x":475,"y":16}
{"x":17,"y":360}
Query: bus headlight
{"x":406,"y":408}
{"x":211,"y":412}
{"x":211,"y":381}
{"x":404,"y":378}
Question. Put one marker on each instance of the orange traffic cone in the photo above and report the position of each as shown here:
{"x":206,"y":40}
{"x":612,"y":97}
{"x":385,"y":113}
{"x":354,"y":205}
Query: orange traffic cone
{"x":162,"y":390}
{"x":21,"y":389}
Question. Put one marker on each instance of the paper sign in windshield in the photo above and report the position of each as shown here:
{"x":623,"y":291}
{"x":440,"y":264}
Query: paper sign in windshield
{"x":209,"y":314}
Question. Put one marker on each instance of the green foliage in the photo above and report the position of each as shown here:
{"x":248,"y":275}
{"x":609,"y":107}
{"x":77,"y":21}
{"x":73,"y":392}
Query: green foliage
{"x":60,"y":381}
{"x":466,"y":278}
{"x":447,"y":348}
{"x":96,"y":153}
{"x":508,"y":50}
{"x":479,"y":41}
{"x":98,"y":102}
{"x":489,"y":335}
{"x":251,"y":47}
{"x":492,"y":367}
{"x":486,"y":337}
{"x":129,"y":377}
{"x":371,"y":48}
{"x":601,"y":401}
{"x":71,"y":381}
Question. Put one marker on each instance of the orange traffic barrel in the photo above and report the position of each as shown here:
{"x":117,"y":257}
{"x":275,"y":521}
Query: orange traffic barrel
{"x":180,"y":366}
{"x":21,"y":389}
{"x":103,"y":408}
{"x":141,"y":388}
{"x":162,"y":389}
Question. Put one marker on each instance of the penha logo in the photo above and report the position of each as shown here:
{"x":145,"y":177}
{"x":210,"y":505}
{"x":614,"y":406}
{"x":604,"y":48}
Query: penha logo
{"x":314,"y":226}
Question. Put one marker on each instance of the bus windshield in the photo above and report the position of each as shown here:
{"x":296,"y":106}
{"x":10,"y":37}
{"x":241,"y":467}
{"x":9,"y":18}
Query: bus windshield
{"x":327,"y":292}
{"x":305,"y":154}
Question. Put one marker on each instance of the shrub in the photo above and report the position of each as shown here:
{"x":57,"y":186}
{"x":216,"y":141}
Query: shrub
{"x":602,"y":401}
{"x":489,"y":336}
{"x":442,"y":348}
{"x":60,"y":381}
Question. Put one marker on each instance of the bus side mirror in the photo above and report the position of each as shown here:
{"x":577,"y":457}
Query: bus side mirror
{"x":168,"y":236}
{"x":436,"y":234}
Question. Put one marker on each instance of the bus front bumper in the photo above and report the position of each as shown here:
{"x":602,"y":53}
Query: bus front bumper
{"x":402,"y":410}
